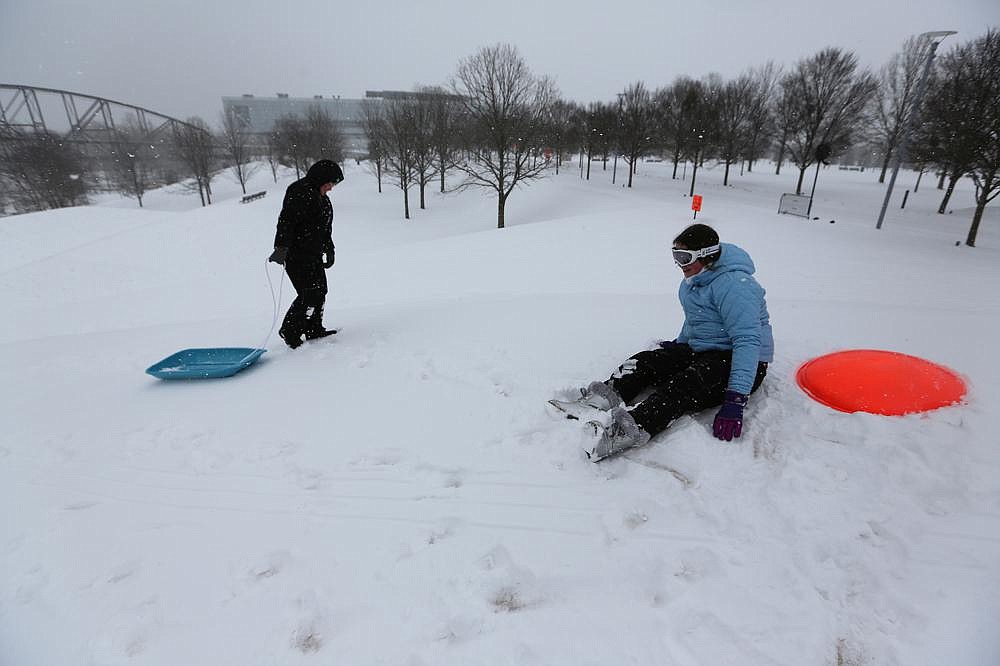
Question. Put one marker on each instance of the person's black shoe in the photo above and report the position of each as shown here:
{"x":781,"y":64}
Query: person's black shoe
{"x":321,"y":333}
{"x":293,"y":341}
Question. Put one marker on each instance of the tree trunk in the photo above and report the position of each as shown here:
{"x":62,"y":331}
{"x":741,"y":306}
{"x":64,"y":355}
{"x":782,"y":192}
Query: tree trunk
{"x":976,"y":219}
{"x":588,"y":164}
{"x":423,"y":186}
{"x":631,"y":171}
{"x":944,"y":172}
{"x":677,"y":160}
{"x":802,"y":174}
{"x":406,"y":202}
{"x":947,"y":195}
{"x":885,"y":167}
{"x":378,"y":174}
{"x":725,"y":177}
{"x":916,"y":188}
{"x":501,"y":203}
{"x":781,"y":157}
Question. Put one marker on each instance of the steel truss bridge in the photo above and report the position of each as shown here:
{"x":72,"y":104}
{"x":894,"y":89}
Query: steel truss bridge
{"x":79,"y":118}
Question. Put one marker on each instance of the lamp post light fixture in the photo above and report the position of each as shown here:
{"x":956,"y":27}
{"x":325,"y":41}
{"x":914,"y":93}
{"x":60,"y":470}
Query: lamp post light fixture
{"x":933,"y":38}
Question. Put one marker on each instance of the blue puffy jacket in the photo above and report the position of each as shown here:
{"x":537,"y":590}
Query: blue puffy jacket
{"x":724,"y":308}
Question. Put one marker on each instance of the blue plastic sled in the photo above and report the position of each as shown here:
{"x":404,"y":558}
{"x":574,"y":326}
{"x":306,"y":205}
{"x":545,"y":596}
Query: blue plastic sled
{"x":205,"y":363}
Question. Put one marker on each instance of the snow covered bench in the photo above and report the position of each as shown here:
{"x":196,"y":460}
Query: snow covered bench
{"x":251,"y":197}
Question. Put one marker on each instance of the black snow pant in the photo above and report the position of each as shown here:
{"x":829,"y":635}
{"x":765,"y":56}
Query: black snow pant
{"x":308,"y":276}
{"x":682,"y":381}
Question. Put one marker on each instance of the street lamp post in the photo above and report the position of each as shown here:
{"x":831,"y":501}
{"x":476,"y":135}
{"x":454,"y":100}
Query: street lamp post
{"x":618,"y":132}
{"x":694,"y":163}
{"x":934,"y":38}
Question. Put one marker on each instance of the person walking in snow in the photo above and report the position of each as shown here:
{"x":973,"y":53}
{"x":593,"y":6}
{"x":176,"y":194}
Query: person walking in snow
{"x":719,"y":358}
{"x":303,"y":244}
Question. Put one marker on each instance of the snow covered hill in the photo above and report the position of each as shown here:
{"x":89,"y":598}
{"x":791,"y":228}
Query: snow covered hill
{"x":398,"y":494}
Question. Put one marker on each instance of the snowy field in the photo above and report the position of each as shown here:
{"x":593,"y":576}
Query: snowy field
{"x":399,"y":494}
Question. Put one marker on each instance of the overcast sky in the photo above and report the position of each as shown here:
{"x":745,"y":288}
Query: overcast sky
{"x":179,"y":57}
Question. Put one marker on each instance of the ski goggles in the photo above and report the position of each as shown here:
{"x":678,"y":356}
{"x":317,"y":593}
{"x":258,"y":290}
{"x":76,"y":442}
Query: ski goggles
{"x":687,"y":257}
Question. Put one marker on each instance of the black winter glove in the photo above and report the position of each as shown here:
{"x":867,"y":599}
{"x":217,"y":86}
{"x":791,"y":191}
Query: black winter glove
{"x":279,"y":255}
{"x":331,"y":257}
{"x":669,"y":344}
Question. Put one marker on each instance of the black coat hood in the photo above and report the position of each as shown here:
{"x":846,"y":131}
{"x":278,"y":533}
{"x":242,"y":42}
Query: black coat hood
{"x":324,"y":171}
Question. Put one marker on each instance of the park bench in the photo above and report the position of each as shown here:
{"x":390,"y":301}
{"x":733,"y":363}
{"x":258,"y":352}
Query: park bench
{"x":252,"y":197}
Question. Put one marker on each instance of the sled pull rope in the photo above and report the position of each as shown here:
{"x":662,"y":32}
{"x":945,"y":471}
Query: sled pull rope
{"x":276,"y":300}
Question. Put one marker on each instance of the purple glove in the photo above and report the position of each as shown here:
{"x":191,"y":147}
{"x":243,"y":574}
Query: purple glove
{"x":729,"y":420}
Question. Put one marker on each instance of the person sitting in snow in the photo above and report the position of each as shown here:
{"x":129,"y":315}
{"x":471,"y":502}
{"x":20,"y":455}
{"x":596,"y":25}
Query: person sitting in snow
{"x":303,"y":244}
{"x":719,"y":358}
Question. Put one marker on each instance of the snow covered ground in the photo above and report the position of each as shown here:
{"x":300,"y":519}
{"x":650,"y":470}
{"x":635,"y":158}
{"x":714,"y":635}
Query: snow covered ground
{"x":398,"y":494}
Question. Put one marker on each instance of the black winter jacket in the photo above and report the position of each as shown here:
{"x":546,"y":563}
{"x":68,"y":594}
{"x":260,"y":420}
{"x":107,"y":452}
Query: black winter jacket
{"x":305,"y":224}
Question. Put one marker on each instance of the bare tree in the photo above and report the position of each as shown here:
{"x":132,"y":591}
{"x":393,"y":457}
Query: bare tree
{"x":506,"y":106}
{"x":41,"y":171}
{"x":703,"y":125}
{"x":761,"y":121}
{"x":134,"y":160}
{"x":446,"y":123}
{"x":302,"y":140}
{"x":676,"y":106}
{"x":637,"y":125}
{"x":591,"y":130}
{"x":325,"y":137}
{"x":373,"y":121}
{"x":560,"y":129}
{"x":605,"y":122}
{"x":421,"y":114}
{"x":291,"y":143}
{"x":825,"y":97}
{"x":195,"y":147}
{"x":785,"y":119}
{"x":238,"y":148}
{"x":942,"y":137}
{"x":735,"y":101}
{"x":271,"y":150}
{"x":970,"y":82}
{"x":897,"y":84}
{"x":398,"y":146}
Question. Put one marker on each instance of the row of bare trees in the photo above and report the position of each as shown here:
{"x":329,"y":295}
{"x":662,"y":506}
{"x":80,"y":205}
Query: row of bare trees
{"x":499,"y":124}
{"x":959,"y":123}
{"x":43,"y":170}
{"x":492,"y":128}
{"x":505,"y":125}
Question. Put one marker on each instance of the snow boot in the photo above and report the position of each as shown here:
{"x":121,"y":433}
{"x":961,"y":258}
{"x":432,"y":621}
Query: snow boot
{"x":320,"y":333}
{"x":293,"y":340}
{"x":621,"y":434}
{"x":597,"y":397}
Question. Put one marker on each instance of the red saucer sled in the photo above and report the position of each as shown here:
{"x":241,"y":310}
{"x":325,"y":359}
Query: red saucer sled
{"x":879,"y":382}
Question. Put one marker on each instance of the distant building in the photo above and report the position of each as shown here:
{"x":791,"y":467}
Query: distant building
{"x":260,"y":113}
